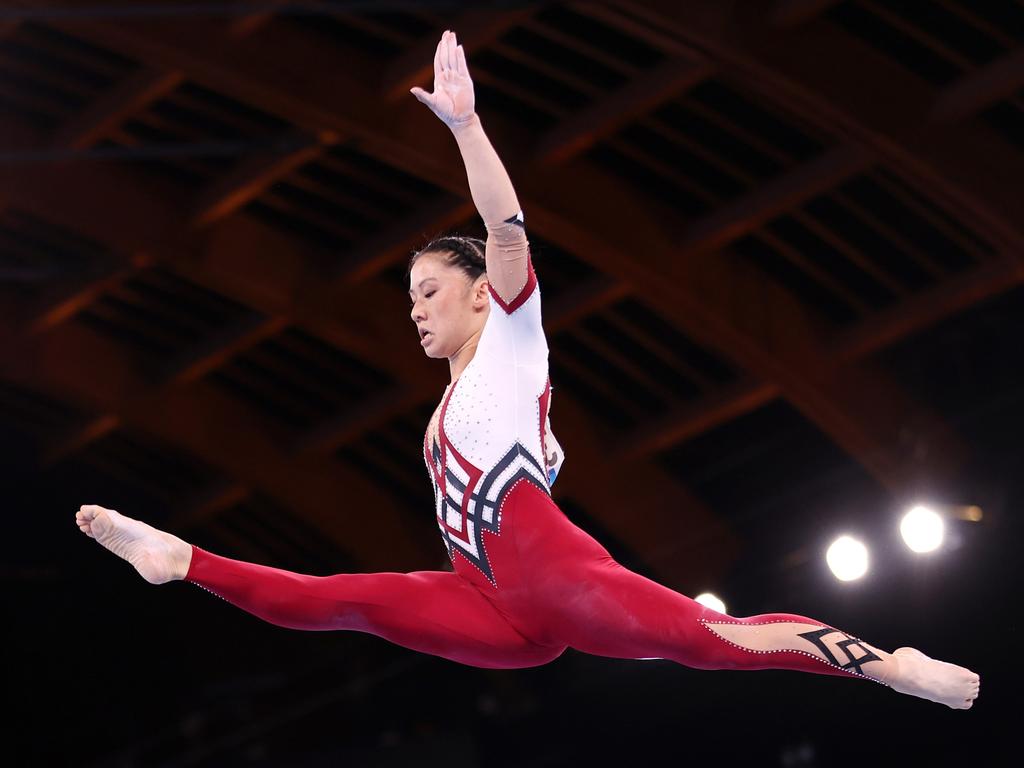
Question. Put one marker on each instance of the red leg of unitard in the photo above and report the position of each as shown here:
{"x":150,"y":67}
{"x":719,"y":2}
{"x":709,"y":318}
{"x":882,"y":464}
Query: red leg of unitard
{"x":435,"y":612}
{"x":621,"y":614}
{"x":581,"y":597}
{"x":559,"y":588}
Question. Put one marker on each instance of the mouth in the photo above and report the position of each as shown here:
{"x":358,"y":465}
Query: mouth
{"x":425,"y":336}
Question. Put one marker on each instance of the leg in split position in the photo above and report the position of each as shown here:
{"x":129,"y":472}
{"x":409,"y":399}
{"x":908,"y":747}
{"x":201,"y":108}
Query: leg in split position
{"x":625,"y":615}
{"x":592,"y":604}
{"x":434,"y":612}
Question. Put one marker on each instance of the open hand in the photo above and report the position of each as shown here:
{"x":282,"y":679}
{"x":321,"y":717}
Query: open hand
{"x":452,"y":100}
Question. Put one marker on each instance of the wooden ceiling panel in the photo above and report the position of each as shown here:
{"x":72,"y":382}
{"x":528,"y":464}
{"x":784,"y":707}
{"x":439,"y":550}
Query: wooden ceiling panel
{"x":969,"y":365}
{"x":617,"y":44}
{"x":41,"y":418}
{"x":299,"y":380}
{"x":167,"y":319}
{"x":863,"y":246}
{"x":1007,"y":117}
{"x":36,"y":254}
{"x":384,"y":33}
{"x":339,"y":199}
{"x":271,"y":532}
{"x":740,"y":153}
{"x":216,"y":430}
{"x":250,"y":184}
{"x":168,"y":474}
{"x":187,"y":61}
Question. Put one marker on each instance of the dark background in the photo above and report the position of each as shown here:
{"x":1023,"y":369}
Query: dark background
{"x":780,"y":248}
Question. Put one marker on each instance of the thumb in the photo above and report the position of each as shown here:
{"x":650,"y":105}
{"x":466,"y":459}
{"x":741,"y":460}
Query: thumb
{"x":422,"y":95}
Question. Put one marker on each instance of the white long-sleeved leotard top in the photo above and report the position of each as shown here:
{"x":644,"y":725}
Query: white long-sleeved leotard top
{"x":494,"y":427}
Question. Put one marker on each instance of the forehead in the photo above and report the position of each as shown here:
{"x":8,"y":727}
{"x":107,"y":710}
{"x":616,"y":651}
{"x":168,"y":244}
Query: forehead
{"x":429,"y":265}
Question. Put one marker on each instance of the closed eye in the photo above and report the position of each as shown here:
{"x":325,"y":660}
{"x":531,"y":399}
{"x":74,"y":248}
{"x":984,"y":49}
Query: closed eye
{"x":412,"y":302}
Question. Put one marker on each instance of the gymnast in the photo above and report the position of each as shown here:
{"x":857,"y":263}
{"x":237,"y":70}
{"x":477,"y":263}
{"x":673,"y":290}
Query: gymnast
{"x":526,"y":583}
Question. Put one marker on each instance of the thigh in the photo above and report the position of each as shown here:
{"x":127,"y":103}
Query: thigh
{"x":436,"y":612}
{"x":602,"y":608}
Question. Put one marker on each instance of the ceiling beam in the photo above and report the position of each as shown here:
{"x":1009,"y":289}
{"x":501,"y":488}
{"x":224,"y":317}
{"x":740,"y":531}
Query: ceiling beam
{"x":929,"y":307}
{"x":120,"y":193}
{"x":693,"y":419}
{"x":476,"y":29}
{"x":249,"y":23}
{"x":246,"y":75}
{"x":666,"y":526}
{"x":127,"y":98}
{"x":93,"y":203}
{"x":977,"y":90}
{"x":347,"y":428}
{"x":581,"y":131}
{"x":755,"y":322}
{"x":314,"y":298}
{"x":732,"y":221}
{"x":848,"y":89}
{"x":261,"y":268}
{"x":283,"y":84}
{"x":791,"y":13}
{"x":255,"y":174}
{"x":883,"y":329}
{"x":76,"y":365}
{"x":403,"y":238}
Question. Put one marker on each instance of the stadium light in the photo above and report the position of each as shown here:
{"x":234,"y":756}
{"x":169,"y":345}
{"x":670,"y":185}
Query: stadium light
{"x":848,"y":558}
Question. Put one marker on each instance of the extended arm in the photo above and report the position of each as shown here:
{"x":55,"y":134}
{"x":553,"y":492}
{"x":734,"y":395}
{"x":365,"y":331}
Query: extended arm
{"x":495,"y":199}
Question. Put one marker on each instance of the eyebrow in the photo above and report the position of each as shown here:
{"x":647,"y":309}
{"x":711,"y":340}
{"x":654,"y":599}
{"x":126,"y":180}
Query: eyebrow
{"x":422,"y":282}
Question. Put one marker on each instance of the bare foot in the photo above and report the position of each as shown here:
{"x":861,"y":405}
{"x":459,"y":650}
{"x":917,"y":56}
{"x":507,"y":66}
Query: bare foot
{"x":938,"y":681}
{"x":159,"y":557}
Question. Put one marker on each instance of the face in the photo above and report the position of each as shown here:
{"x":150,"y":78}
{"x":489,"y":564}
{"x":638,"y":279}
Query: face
{"x":446,"y":304}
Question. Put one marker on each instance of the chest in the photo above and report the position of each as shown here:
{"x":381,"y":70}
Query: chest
{"x":434,"y":426}
{"x":484,"y":413}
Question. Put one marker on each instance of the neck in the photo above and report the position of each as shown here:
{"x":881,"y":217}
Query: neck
{"x":458,"y":362}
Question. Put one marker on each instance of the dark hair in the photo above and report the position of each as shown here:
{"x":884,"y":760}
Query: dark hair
{"x":466,"y":253}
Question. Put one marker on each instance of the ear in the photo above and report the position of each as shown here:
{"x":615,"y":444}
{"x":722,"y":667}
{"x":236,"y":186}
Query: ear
{"x":481,"y":290}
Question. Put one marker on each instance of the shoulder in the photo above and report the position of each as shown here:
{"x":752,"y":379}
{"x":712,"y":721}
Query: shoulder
{"x":512,"y":303}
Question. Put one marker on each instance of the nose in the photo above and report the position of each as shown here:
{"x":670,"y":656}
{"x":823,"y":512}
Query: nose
{"x":415,"y":313}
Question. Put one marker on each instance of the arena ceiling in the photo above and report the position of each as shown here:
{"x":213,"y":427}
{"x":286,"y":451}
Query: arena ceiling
{"x":779,"y":243}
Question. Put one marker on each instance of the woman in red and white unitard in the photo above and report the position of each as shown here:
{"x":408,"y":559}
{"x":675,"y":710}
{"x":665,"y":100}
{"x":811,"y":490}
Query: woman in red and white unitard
{"x":526,"y":583}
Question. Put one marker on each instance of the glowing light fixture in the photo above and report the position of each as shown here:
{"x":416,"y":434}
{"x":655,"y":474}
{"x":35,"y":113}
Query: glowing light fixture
{"x":712,"y":602}
{"x":922,"y":529}
{"x":848,"y":558}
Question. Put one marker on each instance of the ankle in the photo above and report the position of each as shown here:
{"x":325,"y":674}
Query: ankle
{"x":886,"y":670}
{"x":184,"y":560}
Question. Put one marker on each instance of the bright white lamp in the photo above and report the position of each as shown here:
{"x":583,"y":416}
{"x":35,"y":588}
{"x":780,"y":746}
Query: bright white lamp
{"x":922,"y":529}
{"x":709,"y":600}
{"x":848,"y":558}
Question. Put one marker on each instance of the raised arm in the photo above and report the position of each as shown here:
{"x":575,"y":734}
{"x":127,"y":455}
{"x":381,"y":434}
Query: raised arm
{"x":508,"y":259}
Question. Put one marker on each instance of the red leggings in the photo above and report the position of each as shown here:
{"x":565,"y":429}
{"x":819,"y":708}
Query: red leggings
{"x":556,"y":587}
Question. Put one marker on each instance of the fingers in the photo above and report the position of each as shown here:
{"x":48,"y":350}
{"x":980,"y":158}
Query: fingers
{"x":448,"y":54}
{"x":452,"y":61}
{"x":438,"y":68}
{"x":449,"y":63}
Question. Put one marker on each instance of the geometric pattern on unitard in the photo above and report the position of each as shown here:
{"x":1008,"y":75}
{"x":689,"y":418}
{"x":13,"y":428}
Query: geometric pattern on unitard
{"x":464,"y":512}
{"x":813,"y":637}
{"x":844,"y":646}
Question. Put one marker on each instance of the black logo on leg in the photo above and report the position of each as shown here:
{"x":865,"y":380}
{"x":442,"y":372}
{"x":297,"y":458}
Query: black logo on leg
{"x":844,"y":645}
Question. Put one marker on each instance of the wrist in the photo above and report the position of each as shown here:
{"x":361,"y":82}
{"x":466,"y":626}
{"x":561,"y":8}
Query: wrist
{"x":466,"y":124}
